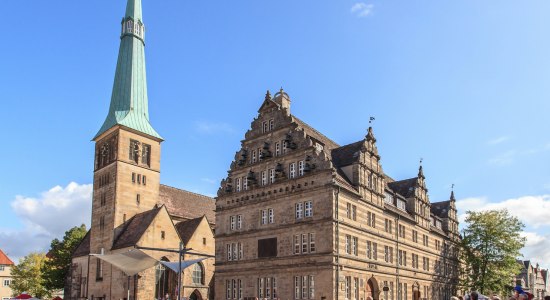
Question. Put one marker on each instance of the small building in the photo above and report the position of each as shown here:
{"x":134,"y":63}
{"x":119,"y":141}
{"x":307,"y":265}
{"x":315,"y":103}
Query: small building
{"x":5,"y":276}
{"x":533,"y":279}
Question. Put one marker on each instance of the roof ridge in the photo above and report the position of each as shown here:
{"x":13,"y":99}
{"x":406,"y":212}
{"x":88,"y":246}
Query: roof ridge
{"x":315,"y":130}
{"x":179,"y":189}
{"x":5,"y":256}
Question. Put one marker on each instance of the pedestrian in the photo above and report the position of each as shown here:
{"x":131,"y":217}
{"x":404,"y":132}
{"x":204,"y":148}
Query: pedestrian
{"x":474,"y":295}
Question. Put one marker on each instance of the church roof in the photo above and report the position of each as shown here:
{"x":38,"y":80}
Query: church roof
{"x":187,"y":205}
{"x":129,"y":102}
{"x":186,"y":229}
{"x":83,"y":248}
{"x":134,"y":229}
{"x":5,"y":260}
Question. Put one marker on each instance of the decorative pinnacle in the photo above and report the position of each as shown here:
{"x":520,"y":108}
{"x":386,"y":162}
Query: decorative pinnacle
{"x":370,"y":135}
{"x":267,"y":95}
{"x":453,"y":192}
{"x":420,"y":169}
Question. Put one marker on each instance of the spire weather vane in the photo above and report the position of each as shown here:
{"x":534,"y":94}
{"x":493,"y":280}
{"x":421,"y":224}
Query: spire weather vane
{"x":371,"y":119}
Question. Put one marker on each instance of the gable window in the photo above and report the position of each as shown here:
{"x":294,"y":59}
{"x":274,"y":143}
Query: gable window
{"x":277,"y":149}
{"x":264,"y":126}
{"x":301,"y":168}
{"x":402,"y":205}
{"x":271,"y":124}
{"x":292,"y":170}
{"x":264,"y":177}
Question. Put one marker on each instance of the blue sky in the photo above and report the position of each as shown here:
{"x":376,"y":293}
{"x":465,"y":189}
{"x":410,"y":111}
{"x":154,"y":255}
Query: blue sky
{"x":463,"y":84}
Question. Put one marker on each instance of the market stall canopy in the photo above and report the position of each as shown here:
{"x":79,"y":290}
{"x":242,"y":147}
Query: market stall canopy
{"x":131,"y":262}
{"x":184,"y":264}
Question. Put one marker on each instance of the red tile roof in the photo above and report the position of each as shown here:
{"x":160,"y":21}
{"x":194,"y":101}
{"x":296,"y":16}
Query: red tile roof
{"x":187,"y":205}
{"x":4,"y":259}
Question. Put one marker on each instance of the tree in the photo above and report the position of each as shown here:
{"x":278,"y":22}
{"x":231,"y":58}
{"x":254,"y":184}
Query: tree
{"x":58,"y":265}
{"x":490,"y":245}
{"x":27,"y":276}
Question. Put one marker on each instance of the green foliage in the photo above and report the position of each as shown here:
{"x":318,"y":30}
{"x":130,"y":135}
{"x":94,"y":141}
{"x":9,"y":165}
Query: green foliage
{"x":490,"y":246}
{"x":58,"y":265}
{"x":27,"y":276}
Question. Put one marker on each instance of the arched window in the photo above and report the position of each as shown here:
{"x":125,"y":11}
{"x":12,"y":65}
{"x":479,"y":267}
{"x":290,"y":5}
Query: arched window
{"x":198,"y":274}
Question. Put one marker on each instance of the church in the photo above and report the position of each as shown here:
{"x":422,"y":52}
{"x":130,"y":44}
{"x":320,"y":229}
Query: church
{"x":130,"y":207}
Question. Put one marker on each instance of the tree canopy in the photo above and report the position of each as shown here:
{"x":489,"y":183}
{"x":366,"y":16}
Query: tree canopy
{"x":58,"y":264}
{"x":490,"y":246}
{"x":27,"y":276}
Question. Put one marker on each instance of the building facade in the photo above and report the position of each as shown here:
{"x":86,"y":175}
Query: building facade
{"x":301,"y":217}
{"x":533,"y":279}
{"x":5,"y":276}
{"x":130,"y":206}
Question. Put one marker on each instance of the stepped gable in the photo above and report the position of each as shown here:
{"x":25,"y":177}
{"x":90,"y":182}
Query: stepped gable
{"x":405,"y":187}
{"x":83,"y":248}
{"x":186,"y":229}
{"x":187,"y":205}
{"x":134,"y":229}
{"x":441,"y":209}
{"x":4,"y":259}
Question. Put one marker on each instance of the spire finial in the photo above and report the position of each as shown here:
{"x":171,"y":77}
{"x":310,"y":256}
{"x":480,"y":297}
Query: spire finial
{"x":453,"y":192}
{"x":267,"y":95}
{"x":420,"y":169}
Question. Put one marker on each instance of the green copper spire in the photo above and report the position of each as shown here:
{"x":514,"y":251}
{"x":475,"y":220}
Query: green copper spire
{"x":129,"y":104}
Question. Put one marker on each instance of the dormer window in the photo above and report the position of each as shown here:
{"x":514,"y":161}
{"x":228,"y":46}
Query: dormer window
{"x":402,"y":205}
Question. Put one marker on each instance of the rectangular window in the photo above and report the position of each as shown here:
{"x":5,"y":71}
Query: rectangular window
{"x":348,"y":287}
{"x":386,"y":254}
{"x":369,"y":249}
{"x":277,"y":149}
{"x":234,"y":288}
{"x":311,"y":287}
{"x":285,"y":144}
{"x":374,"y":251}
{"x":6,"y":282}
{"x":301,"y":168}
{"x":239,"y":221}
{"x":354,"y":242}
{"x":133,"y":177}
{"x":274,"y":280}
{"x":402,"y":205}
{"x":311,"y":242}
{"x":240,"y":246}
{"x":292,"y":170}
{"x":144,"y":180}
{"x":348,"y":210}
{"x":238,"y":188}
{"x":309,"y":209}
{"x":99,"y":270}
{"x":356,"y":287}
{"x":264,"y":177}
{"x":233,"y":222}
{"x":304,"y":243}
{"x":264,"y":126}
{"x":245,"y":184}
{"x":235,"y":250}
{"x":268,"y":288}
{"x":271,"y":124}
{"x":271,"y":216}
{"x":272,"y":175}
{"x":228,"y":289}
{"x":229,"y":253}
{"x":240,"y":284}
{"x":304,"y":287}
{"x":139,"y":179}
{"x":263,"y":219}
{"x":348,"y":244}
{"x":299,"y":210}
{"x":261,"y":286}
{"x":253,"y":160}
{"x":297,"y":287}
{"x":415,"y":236}
{"x":297,"y":244}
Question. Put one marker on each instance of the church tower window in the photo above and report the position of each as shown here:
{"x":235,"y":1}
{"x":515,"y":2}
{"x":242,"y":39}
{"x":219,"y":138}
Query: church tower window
{"x":146,"y":155}
{"x":134,"y":151}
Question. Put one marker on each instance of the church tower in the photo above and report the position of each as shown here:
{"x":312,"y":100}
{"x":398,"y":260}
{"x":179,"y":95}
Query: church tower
{"x":127,"y":148}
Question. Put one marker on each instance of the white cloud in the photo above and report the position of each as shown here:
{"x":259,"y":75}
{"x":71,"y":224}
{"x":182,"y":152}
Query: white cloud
{"x":208,"y":180}
{"x":212,"y":127}
{"x":362,"y":9}
{"x":47,"y":217}
{"x":503,"y":159}
{"x":498,"y":140}
{"x":532,"y":210}
{"x":536,"y":248}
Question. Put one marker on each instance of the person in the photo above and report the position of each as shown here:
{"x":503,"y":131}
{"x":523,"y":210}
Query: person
{"x":454,"y":298}
{"x":474,"y":295}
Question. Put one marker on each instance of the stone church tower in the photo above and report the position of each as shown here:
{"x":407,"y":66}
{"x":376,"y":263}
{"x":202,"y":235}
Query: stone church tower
{"x":127,"y":151}
{"x":130,"y":207}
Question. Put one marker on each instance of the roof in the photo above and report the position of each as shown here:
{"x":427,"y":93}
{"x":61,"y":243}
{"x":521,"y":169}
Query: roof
{"x":186,"y":229}
{"x":4,"y":259}
{"x":83,"y":248}
{"x":187,"y":205}
{"x":129,"y":102}
{"x":346,"y":155}
{"x":440,"y":209}
{"x":312,"y":132}
{"x":405,"y":187}
{"x":134,"y":229}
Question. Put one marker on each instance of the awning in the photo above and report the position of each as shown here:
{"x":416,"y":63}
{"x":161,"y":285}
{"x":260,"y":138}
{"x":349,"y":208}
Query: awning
{"x":184,"y":264}
{"x":131,"y":262}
